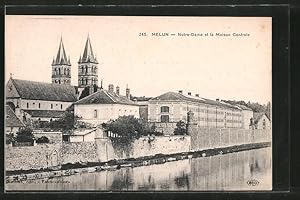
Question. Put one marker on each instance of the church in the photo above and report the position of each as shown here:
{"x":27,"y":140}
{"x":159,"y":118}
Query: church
{"x":44,"y":102}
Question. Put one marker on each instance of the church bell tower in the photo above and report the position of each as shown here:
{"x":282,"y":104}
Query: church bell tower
{"x":87,"y":67}
{"x":61,"y":67}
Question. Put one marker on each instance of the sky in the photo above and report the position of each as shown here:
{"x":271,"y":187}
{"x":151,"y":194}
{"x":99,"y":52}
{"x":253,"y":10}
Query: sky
{"x":225,"y":67}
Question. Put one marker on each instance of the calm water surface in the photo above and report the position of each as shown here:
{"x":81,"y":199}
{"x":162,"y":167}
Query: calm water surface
{"x":222,"y":172}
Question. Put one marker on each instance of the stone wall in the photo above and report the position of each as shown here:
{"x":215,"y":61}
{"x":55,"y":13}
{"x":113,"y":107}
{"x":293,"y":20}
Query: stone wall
{"x":145,"y":146}
{"x":206,"y":138}
{"x":43,"y":156}
{"x":32,"y":157}
{"x":79,"y":152}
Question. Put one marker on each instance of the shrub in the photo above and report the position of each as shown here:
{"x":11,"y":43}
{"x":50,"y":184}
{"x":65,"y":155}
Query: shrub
{"x":9,"y":138}
{"x":180,"y":128}
{"x":42,"y":139}
{"x":25,"y":135}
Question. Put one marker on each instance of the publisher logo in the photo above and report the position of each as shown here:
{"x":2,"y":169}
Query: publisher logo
{"x":253,"y":182}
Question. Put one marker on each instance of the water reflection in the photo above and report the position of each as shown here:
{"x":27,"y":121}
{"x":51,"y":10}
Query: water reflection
{"x":222,"y":172}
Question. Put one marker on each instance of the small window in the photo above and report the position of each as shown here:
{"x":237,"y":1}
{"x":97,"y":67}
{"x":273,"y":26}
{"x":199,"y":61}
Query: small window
{"x":51,"y":106}
{"x":61,"y":106}
{"x":39,"y":105}
{"x":27,"y":105}
{"x":164,"y":118}
{"x":95,"y":113}
{"x":164,"y":109}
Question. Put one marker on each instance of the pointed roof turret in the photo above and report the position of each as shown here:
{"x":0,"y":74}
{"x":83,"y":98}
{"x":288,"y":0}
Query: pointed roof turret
{"x":53,"y":61}
{"x":61,"y":58}
{"x":69,"y":62}
{"x":88,"y":55}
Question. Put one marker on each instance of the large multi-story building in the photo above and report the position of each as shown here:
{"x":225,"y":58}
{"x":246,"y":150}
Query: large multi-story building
{"x":169,"y":108}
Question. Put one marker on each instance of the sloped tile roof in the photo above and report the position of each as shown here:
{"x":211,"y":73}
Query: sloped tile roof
{"x":46,"y":113}
{"x":11,"y":120}
{"x":45,"y":91}
{"x":105,"y":97}
{"x":258,"y":115}
{"x":173,"y":96}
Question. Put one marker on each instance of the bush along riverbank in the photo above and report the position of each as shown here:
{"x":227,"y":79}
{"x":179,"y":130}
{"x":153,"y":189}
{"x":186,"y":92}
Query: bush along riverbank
{"x":70,"y":169}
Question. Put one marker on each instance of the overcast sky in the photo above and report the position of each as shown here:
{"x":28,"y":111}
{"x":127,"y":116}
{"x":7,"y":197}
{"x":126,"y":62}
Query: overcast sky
{"x":226,"y":67}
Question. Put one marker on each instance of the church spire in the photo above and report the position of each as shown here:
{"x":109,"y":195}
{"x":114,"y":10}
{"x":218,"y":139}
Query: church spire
{"x":88,"y":55}
{"x":61,"y":58}
{"x":61,"y":66}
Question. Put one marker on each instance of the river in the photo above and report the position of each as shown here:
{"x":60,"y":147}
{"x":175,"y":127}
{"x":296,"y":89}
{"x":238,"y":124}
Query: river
{"x":246,"y":170}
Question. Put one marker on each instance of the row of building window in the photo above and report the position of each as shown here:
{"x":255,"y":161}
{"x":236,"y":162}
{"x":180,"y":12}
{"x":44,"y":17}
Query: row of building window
{"x":87,"y":81}
{"x":166,"y":109}
{"x":62,"y":81}
{"x":84,"y":69}
{"x":39,"y":105}
{"x":59,"y":71}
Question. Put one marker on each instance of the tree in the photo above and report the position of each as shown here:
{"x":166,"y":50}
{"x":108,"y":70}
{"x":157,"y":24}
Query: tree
{"x":126,"y":129}
{"x":42,"y":139}
{"x":180,"y":128}
{"x":66,"y":123}
{"x":25,"y":135}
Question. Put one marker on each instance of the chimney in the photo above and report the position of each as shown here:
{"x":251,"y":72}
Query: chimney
{"x":197,"y":95}
{"x":189,"y":93}
{"x":118,"y":90}
{"x":111,"y":88}
{"x":180,"y":91}
{"x":127,"y":93}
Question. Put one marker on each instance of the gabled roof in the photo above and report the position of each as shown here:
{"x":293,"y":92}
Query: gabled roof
{"x":61,"y":58}
{"x":173,"y":96}
{"x":46,"y":113}
{"x":88,"y":55}
{"x":11,"y":120}
{"x":104,"y":97}
{"x":44,"y":91}
{"x":258,"y":115}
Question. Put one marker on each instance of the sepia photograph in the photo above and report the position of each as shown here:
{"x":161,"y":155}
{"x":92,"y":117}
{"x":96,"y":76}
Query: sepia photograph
{"x":138,"y":103}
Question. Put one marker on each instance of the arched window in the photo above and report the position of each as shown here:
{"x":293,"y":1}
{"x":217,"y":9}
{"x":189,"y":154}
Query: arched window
{"x":82,"y":70}
{"x":58,"y":81}
{"x":164,"y":109}
{"x":27,"y":105}
{"x":95,"y":113}
{"x":59,"y":71}
{"x":39,"y":105}
{"x":65,"y":71}
{"x":61,"y":106}
{"x":86,"y":69}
